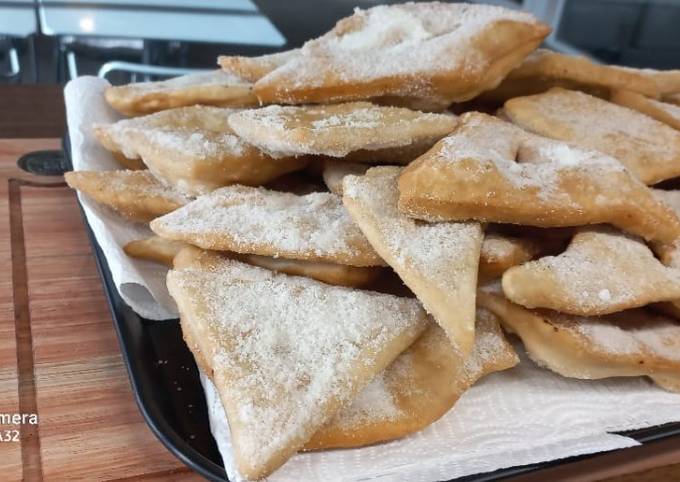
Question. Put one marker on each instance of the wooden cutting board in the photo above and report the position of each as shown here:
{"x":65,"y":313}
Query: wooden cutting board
{"x":59,"y":355}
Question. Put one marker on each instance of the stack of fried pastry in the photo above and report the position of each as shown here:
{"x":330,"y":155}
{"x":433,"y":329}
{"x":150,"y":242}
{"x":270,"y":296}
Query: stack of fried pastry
{"x":343,"y":257}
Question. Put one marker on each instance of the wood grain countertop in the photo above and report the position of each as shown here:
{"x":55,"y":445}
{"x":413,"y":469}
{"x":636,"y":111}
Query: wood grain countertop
{"x":59,"y":356}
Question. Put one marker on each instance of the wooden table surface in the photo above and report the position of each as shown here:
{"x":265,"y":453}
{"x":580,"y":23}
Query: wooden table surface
{"x":59,"y":356}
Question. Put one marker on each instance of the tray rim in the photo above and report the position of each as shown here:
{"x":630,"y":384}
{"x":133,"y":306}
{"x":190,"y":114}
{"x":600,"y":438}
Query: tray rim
{"x":121,"y":311}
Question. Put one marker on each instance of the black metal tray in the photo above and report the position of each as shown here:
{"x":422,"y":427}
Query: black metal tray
{"x":169,"y":394}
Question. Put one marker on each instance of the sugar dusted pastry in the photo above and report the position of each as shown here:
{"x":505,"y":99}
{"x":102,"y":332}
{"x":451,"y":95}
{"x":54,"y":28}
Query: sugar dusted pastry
{"x":647,"y":147}
{"x":436,"y":52}
{"x":155,"y":249}
{"x":544,"y":69}
{"x":285,"y":353}
{"x":667,"y":81}
{"x":251,"y":220}
{"x":418,"y":388}
{"x":602,"y":271}
{"x":331,"y":273}
{"x":490,"y":170}
{"x":500,"y":252}
{"x":254,"y":68}
{"x":335,"y":171}
{"x":193,"y":149}
{"x":673,"y":98}
{"x":664,"y":112}
{"x":340,"y":129}
{"x":137,"y":195}
{"x":438,"y":261}
{"x":625,"y":344}
{"x":216,"y":88}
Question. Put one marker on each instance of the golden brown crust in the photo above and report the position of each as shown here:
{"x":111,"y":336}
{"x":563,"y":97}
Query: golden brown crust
{"x":339,"y":66}
{"x":194,"y":149}
{"x":137,"y":195}
{"x":492,"y":171}
{"x":219,"y":327}
{"x":544,"y":69}
{"x":602,"y":271}
{"x":664,"y":112}
{"x":155,"y":248}
{"x":253,"y":69}
{"x":647,"y":147}
{"x":629,"y":343}
{"x":419,"y":387}
{"x":214,"y":88}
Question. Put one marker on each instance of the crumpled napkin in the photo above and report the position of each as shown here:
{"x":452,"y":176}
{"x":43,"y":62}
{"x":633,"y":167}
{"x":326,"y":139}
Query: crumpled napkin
{"x":140,"y":283}
{"x":520,"y":416}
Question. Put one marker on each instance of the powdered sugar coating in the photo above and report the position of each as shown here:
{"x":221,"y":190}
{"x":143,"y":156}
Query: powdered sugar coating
{"x":405,"y":39}
{"x":201,"y":132}
{"x":438,"y":261}
{"x":216,"y":77}
{"x":649,"y":148}
{"x":602,"y":271}
{"x":338,"y":129}
{"x":287,"y":348}
{"x":258,"y":221}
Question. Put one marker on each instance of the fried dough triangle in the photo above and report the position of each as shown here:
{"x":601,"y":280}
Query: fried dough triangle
{"x":137,"y":195}
{"x":254,"y":68}
{"x":500,"y":253}
{"x":437,"y":261}
{"x":193,"y":149}
{"x":544,"y":69}
{"x":602,"y":271}
{"x":490,"y":170}
{"x":418,"y":388}
{"x":433,"y":51}
{"x":216,"y":88}
{"x":625,"y":344}
{"x":284,"y":352}
{"x":340,"y":129}
{"x":664,"y":112}
{"x":156,"y":249}
{"x":648,"y":148}
{"x":251,"y":220}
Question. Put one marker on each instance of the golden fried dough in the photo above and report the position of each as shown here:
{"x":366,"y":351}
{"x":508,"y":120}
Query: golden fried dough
{"x":667,"y":81}
{"x":251,"y":220}
{"x":133,"y":164}
{"x":193,"y":149}
{"x":335,"y":171}
{"x":252,"y":69}
{"x":285,"y":352}
{"x":216,"y":88}
{"x":626,"y":344}
{"x":437,"y":261}
{"x":433,"y":52}
{"x":339,"y":129}
{"x":490,"y":170}
{"x":664,"y":112}
{"x":500,"y":252}
{"x":602,"y":271}
{"x":137,"y":195}
{"x":672,"y":98}
{"x":544,"y":69}
{"x":155,"y":248}
{"x":331,"y":273}
{"x":647,"y":147}
{"x":418,"y":388}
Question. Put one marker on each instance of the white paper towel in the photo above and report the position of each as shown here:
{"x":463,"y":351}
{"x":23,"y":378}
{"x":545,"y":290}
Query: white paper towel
{"x":517,"y":417}
{"x":140,"y":283}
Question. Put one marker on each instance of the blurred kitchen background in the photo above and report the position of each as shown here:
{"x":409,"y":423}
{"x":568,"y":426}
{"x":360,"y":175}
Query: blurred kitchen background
{"x":51,"y":41}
